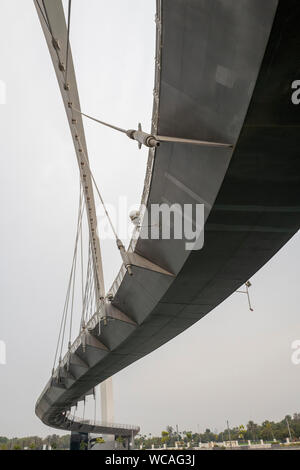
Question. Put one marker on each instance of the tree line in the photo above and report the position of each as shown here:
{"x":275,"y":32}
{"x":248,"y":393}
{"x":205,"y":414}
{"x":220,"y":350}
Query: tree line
{"x":35,"y":442}
{"x":269,"y":431}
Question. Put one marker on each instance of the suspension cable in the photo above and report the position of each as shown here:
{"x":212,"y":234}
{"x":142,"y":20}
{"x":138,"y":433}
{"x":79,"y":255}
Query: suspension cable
{"x":44,"y":17}
{"x":87,"y":286}
{"x":63,"y":319}
{"x":119,"y":243}
{"x":60,"y":340}
{"x":72,"y":276}
{"x":68,"y":41}
{"x":153,"y":140}
{"x":98,"y":192}
{"x":80,"y":214}
{"x":81,"y":262}
{"x":95,"y":405}
{"x":86,"y":291}
{"x":83,"y":408}
{"x":116,"y":128}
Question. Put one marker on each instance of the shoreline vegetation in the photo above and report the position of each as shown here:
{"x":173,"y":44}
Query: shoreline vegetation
{"x":268,"y":431}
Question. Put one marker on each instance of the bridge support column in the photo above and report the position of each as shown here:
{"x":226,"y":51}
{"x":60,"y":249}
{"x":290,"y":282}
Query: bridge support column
{"x":107,"y":406}
{"x":79,"y":441}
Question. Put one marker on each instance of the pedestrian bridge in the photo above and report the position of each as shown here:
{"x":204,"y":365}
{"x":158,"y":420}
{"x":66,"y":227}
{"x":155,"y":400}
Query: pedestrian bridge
{"x":223,"y":78}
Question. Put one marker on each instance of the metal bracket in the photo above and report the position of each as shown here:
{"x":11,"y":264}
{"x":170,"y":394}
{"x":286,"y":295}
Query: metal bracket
{"x":142,"y":137}
{"x":133,"y":259}
{"x":247,"y":285}
{"x":115,"y":314}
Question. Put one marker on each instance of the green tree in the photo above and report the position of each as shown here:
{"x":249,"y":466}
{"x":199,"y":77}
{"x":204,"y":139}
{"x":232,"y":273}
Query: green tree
{"x":267,"y":431}
{"x":83,"y":445}
{"x":242,"y":431}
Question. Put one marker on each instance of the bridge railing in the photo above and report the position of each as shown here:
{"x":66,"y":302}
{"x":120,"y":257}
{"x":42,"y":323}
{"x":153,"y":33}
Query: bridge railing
{"x":105,"y":424}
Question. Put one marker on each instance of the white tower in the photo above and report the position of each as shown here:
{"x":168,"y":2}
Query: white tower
{"x":107,"y":405}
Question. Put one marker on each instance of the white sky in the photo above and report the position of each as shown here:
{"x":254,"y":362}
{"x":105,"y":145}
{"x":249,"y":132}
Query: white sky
{"x":233,"y":364}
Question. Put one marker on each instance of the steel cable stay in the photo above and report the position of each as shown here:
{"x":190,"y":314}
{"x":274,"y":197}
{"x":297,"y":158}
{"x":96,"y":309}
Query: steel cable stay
{"x":55,"y":42}
{"x":118,"y":240}
{"x":79,"y":233}
{"x":86,"y":292}
{"x":91,"y":309}
{"x":68,"y":43}
{"x":151,"y":140}
{"x":95,"y":404}
{"x":72,"y":278}
{"x":81,"y":262}
{"x":44,"y":16}
{"x":89,"y":297}
{"x":89,"y":300}
{"x":70,"y":288}
{"x":82,"y":322}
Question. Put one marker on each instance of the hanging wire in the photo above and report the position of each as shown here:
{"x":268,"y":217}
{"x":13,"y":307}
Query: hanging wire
{"x":81,"y":262}
{"x":55,"y":43}
{"x":98,"y":192}
{"x":118,"y":241}
{"x":88,"y":289}
{"x":62,"y":329}
{"x":89,"y":293}
{"x":88,"y":298}
{"x":247,"y":285}
{"x":153,"y":140}
{"x":95,"y":405}
{"x":82,"y":323}
{"x":44,"y":17}
{"x":68,"y":41}
{"x":116,"y":128}
{"x":83,"y":408}
{"x":92,"y":301}
{"x":72,"y":276}
{"x":47,"y":17}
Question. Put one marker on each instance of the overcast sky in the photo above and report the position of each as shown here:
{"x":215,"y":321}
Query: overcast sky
{"x":234,"y":364}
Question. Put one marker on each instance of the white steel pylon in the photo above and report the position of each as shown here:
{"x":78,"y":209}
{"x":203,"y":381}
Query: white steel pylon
{"x":107,"y":401}
{"x":107,"y":406}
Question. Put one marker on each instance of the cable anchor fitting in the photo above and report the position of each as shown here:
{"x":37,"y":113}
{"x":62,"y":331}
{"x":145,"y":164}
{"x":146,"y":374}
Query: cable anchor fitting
{"x":142,"y":137}
{"x":56,"y":44}
{"x":124,"y":256}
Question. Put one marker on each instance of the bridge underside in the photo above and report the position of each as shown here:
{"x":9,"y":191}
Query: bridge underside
{"x":224,"y":74}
